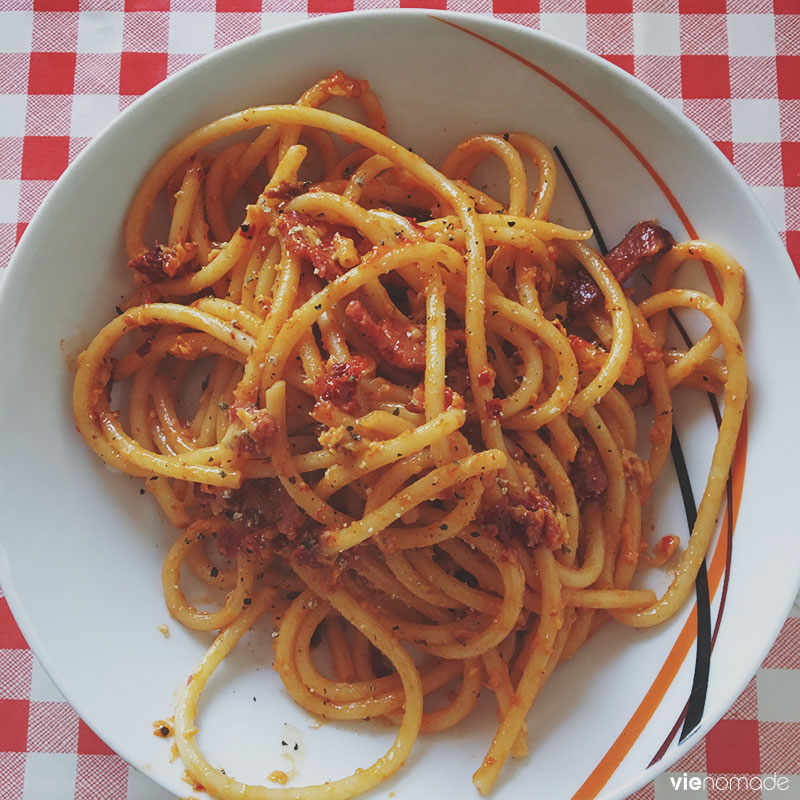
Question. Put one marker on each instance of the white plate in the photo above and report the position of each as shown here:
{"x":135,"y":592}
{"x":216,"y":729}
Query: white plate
{"x":82,"y":550}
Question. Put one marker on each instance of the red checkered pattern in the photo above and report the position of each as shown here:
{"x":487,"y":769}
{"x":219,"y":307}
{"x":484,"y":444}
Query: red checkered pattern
{"x":67,"y":68}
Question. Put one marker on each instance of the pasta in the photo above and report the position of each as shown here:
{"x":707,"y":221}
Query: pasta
{"x":397,"y":413}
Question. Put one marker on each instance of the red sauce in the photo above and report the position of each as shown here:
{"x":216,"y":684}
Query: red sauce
{"x":529,"y":518}
{"x":494,"y":408}
{"x":261,"y":510}
{"x":228,"y":540}
{"x":663,"y":550}
{"x":588,"y":476}
{"x":162,"y":262}
{"x":340,"y":384}
{"x":258,"y":440}
{"x":287,"y":190}
{"x":401,"y":344}
{"x":311,"y":239}
{"x":486,"y":376}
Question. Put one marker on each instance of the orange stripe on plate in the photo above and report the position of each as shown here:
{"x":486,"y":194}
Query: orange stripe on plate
{"x":677,"y":655}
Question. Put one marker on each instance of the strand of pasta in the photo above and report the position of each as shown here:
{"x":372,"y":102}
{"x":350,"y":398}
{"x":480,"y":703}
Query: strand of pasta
{"x":735,"y":398}
{"x":550,"y":622}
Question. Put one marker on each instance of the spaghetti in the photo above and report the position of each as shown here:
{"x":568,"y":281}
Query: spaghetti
{"x":398,"y":414}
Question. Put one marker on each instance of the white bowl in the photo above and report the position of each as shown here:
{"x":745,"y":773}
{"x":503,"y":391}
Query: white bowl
{"x":81,"y":550}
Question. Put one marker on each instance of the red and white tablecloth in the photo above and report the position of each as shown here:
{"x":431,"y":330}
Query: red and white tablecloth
{"x":68,"y":67}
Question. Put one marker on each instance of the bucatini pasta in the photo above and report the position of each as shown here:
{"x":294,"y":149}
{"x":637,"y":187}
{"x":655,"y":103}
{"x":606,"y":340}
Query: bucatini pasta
{"x":397,"y":413}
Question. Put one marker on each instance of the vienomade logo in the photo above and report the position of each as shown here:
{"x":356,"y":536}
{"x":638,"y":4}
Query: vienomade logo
{"x":732,"y":783}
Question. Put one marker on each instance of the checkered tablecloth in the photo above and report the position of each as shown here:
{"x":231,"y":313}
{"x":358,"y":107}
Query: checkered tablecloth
{"x":68,"y":67}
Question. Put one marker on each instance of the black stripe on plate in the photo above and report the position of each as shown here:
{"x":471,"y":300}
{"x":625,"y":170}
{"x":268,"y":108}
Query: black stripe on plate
{"x":693,"y":711}
{"x":582,"y":200}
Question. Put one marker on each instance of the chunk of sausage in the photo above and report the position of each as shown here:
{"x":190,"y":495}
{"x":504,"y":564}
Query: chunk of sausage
{"x":644,"y":241}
